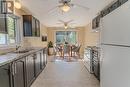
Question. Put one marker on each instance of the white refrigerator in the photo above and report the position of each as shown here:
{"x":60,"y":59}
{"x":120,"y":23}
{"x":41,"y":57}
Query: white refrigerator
{"x":115,"y":48}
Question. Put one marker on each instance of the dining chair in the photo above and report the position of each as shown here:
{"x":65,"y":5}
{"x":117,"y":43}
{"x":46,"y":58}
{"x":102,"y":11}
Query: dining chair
{"x":66,"y":50}
{"x":57,"y":50}
{"x":76,"y":50}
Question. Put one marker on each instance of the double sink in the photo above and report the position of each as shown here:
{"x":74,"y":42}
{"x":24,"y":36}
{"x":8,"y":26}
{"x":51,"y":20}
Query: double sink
{"x":23,"y":51}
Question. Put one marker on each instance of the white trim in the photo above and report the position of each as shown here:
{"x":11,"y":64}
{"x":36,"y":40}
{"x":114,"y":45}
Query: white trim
{"x":17,"y":38}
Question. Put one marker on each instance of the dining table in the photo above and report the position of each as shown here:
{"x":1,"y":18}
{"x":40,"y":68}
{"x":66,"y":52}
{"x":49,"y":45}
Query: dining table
{"x":61,"y":48}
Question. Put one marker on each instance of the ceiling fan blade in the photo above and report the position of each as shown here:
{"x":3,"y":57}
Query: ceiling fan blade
{"x":52,"y":9}
{"x":61,"y":1}
{"x":70,"y":21}
{"x":61,"y":21}
{"x":86,"y":8}
{"x":70,"y":4}
{"x":73,"y":23}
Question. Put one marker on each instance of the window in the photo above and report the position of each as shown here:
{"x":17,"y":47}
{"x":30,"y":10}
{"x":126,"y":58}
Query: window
{"x":11,"y":30}
{"x":13,"y":35}
{"x":66,"y":36}
{"x":2,"y":38}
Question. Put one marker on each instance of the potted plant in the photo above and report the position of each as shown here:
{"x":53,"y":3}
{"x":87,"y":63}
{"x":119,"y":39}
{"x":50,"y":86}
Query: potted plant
{"x":50,"y":47}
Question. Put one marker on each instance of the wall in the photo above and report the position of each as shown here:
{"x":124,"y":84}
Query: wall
{"x":36,"y":41}
{"x":91,"y":38}
{"x":26,"y":42}
{"x":80,"y":35}
{"x":86,"y":37}
{"x":31,"y":41}
{"x":6,"y":49}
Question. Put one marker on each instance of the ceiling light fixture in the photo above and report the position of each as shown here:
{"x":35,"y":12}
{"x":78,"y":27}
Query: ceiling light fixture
{"x":17,"y":4}
{"x":65,"y":27}
{"x":7,"y":7}
{"x":65,"y":8}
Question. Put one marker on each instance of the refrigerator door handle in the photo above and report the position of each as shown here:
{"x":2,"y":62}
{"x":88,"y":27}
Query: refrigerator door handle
{"x":115,"y":45}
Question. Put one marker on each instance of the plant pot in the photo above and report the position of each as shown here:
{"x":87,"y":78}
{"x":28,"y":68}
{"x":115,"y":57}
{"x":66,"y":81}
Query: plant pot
{"x":51,"y":51}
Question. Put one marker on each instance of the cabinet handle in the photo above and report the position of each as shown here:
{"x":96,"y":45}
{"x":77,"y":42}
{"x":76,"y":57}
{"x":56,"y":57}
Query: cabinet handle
{"x":5,"y":69}
{"x":15,"y":68}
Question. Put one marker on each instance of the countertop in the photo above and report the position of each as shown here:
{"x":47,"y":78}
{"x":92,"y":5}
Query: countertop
{"x":10,"y":57}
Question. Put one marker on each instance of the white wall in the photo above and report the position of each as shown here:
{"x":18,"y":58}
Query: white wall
{"x":51,"y":31}
{"x":31,"y":41}
{"x":36,"y":41}
{"x":91,"y":38}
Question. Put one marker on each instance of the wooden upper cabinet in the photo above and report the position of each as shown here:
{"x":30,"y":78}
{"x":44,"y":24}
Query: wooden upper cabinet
{"x":31,"y":26}
{"x":96,"y":22}
{"x":37,"y":28}
{"x":3,"y":23}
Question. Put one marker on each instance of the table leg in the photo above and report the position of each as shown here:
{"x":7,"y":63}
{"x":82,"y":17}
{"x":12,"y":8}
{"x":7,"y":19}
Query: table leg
{"x":71,"y":51}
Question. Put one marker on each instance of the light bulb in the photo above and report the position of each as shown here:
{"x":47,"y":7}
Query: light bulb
{"x":17,"y":5}
{"x":65,"y":8}
{"x":66,"y":27}
{"x":9,"y":5}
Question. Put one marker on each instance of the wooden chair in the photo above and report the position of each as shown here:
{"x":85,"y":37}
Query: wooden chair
{"x":76,"y":50}
{"x":57,"y":50}
{"x":66,"y":50}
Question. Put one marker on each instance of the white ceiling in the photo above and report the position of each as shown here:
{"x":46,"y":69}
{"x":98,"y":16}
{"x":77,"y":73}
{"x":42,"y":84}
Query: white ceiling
{"x":41,"y":10}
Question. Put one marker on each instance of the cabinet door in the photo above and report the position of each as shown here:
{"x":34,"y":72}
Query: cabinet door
{"x":45,"y":55}
{"x":37,"y":63}
{"x":37,"y":28}
{"x":3,"y":25}
{"x":33,"y":26}
{"x":42,"y":60}
{"x":30,"y":75}
{"x":5,"y":76}
{"x":19,"y":73}
{"x":96,"y":69}
{"x":27,"y":25}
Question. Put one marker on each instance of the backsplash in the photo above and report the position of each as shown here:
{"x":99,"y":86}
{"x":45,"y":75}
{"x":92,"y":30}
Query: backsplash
{"x":4,"y":50}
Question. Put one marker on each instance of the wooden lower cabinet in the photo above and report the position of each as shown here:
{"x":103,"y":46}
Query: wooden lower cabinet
{"x":30,"y":69}
{"x":37,"y":63}
{"x":45,"y":54}
{"x":19,"y":73}
{"x":42,"y":60}
{"x":5,"y":77}
{"x":22,"y":72}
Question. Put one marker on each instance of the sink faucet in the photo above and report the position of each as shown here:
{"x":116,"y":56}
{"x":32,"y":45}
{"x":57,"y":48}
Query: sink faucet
{"x":17,"y":47}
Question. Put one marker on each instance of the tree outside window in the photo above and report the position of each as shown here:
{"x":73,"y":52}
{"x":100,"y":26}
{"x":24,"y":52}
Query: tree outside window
{"x":66,"y":36}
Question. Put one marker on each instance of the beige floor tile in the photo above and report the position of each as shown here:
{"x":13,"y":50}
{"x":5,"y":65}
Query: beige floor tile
{"x":65,"y":74}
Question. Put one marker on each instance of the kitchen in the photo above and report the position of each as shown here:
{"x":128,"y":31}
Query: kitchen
{"x":104,"y":52}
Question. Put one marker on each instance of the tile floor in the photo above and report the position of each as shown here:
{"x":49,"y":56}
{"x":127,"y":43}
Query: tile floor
{"x":65,"y":74}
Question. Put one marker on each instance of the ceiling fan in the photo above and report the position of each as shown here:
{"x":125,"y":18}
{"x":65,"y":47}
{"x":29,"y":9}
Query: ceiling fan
{"x":66,"y":5}
{"x":67,"y":24}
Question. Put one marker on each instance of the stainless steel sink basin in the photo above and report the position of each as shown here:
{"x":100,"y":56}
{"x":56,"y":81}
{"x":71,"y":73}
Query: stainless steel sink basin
{"x":21,"y":51}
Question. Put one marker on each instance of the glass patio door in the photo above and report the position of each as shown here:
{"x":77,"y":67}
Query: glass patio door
{"x":66,"y":37}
